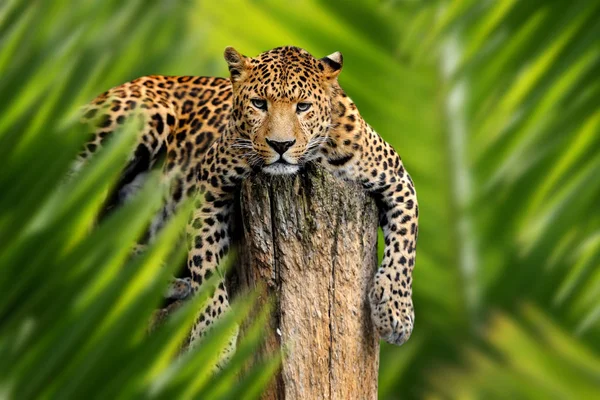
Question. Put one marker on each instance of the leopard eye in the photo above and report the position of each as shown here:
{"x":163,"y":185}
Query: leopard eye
{"x":261,"y":104}
{"x":301,"y":107}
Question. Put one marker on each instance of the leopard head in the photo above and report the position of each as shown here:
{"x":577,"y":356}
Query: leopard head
{"x":282,"y":105}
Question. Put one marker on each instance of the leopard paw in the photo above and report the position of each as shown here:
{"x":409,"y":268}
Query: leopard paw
{"x":392,"y":314}
{"x":179,"y":289}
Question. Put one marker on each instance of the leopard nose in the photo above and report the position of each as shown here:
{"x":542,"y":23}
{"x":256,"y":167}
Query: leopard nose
{"x":281,"y":147}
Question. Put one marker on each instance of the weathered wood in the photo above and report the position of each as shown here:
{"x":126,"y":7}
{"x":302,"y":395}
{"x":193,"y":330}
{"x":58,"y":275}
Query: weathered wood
{"x":311,"y":239}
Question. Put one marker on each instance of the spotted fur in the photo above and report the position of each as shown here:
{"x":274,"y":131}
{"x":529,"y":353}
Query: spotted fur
{"x":277,"y":112}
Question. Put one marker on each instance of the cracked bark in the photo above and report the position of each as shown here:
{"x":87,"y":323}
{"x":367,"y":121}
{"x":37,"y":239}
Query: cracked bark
{"x":311,"y":241}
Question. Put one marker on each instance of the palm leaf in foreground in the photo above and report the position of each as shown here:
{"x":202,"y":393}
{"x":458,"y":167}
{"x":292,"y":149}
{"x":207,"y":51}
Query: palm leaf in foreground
{"x":66,"y":339}
{"x":76,"y":305}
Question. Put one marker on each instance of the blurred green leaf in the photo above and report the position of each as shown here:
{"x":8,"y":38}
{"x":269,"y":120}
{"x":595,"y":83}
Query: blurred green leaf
{"x":76,"y":303}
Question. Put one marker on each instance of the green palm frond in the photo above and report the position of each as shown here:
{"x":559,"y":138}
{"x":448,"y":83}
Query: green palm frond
{"x":75,"y":304}
{"x":534,"y":358}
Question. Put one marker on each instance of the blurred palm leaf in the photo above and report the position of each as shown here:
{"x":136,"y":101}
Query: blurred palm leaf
{"x":76,"y":305}
{"x":494,"y":108}
{"x":535,"y":359}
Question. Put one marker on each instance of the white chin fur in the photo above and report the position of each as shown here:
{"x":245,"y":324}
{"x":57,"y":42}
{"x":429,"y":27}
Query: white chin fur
{"x":281,"y":169}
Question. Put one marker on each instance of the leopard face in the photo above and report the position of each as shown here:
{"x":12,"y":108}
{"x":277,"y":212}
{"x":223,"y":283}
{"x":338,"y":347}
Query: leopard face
{"x":282,"y":106}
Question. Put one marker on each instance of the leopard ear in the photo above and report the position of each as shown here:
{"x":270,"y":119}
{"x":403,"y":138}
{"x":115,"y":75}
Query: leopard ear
{"x":237,"y":63}
{"x":332,"y":64}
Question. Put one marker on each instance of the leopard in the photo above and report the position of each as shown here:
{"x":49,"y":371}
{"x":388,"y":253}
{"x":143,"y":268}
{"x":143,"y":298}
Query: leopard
{"x":276,"y":113}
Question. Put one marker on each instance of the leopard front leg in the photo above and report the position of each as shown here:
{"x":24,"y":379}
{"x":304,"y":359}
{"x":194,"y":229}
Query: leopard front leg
{"x":391,"y":293}
{"x":360,"y":154}
{"x":220,"y":173}
{"x":210,"y":242}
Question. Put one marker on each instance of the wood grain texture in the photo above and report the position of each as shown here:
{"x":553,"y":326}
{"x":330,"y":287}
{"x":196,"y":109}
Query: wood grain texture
{"x":311,"y":240}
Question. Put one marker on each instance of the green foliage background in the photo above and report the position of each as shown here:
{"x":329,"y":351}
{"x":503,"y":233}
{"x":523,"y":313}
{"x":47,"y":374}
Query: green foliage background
{"x":493,"y":105}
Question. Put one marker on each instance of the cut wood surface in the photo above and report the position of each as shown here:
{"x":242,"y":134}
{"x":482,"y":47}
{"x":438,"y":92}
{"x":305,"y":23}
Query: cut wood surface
{"x":311,"y":241}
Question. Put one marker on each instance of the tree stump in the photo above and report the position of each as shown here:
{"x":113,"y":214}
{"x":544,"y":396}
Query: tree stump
{"x":311,"y":241}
